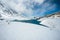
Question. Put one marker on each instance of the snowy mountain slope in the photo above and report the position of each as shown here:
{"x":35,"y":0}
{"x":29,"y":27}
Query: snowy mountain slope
{"x":52,"y":22}
{"x":25,"y":31}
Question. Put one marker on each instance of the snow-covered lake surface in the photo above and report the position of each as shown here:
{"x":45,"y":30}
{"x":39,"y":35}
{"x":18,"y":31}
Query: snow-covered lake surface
{"x":26,"y":31}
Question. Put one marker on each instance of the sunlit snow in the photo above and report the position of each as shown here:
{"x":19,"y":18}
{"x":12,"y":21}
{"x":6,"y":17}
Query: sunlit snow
{"x":16,"y":9}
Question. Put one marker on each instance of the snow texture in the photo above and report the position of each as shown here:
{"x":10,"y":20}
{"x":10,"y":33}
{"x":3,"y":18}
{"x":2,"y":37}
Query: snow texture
{"x":26,"y":31}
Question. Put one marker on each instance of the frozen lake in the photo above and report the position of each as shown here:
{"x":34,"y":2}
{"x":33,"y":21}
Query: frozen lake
{"x":26,"y":31}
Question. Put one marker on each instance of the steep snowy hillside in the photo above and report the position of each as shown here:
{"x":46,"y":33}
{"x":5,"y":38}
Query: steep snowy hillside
{"x":52,"y":22}
{"x":26,"y":31}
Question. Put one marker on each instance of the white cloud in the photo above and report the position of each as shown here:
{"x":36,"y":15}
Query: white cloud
{"x":20,"y":6}
{"x":26,"y":6}
{"x":39,"y":1}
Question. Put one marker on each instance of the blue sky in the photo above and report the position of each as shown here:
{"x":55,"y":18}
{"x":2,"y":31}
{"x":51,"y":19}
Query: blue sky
{"x":46,"y":8}
{"x":40,"y":9}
